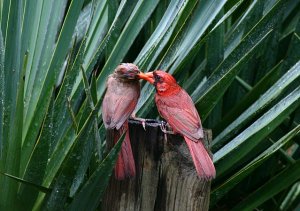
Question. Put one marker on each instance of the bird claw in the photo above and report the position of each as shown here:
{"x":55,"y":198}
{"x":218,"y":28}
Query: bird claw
{"x":143,"y":121}
{"x":144,"y":124}
{"x":164,"y":126}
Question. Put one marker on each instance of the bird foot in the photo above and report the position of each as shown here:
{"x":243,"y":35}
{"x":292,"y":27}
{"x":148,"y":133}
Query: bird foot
{"x":166,"y":128}
{"x":143,"y":121}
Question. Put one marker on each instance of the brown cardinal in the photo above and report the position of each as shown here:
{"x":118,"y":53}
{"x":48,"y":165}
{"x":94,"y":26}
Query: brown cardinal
{"x":123,"y":91}
{"x":177,"y":108}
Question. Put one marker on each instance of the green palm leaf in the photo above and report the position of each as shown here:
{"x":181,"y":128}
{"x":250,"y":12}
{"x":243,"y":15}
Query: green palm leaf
{"x":239,"y":60}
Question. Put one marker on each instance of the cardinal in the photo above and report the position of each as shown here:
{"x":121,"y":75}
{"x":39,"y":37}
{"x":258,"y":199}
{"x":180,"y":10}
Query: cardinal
{"x":177,"y":108}
{"x":122,"y":93}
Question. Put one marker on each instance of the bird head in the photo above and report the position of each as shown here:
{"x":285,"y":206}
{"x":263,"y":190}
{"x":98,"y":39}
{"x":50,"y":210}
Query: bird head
{"x":127,"y":71}
{"x":163,"y":81}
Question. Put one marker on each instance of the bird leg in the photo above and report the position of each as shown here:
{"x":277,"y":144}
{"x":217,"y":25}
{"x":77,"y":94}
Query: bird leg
{"x":143,"y":121}
{"x":166,"y":128}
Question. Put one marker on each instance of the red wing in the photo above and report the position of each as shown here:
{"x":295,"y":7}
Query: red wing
{"x":179,"y":111}
{"x":118,"y":104}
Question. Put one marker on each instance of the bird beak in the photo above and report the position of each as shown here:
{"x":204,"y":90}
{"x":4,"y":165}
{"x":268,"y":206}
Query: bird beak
{"x":146,"y":76}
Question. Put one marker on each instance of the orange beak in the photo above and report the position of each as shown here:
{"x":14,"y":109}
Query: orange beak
{"x":146,"y":76}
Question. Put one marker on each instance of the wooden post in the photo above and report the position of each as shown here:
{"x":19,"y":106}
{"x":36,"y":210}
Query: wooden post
{"x":166,"y":178}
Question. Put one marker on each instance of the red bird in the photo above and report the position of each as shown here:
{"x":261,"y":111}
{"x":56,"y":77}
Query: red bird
{"x":177,"y":108}
{"x":123,"y":91}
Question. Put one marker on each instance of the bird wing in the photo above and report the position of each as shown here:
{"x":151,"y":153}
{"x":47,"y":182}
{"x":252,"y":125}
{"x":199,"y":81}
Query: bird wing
{"x":179,"y":111}
{"x":119,"y":102}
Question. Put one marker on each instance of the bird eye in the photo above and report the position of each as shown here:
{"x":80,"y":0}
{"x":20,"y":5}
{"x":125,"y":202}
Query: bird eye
{"x":157,"y":77}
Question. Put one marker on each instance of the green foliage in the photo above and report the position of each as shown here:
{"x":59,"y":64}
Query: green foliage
{"x":239,"y":60}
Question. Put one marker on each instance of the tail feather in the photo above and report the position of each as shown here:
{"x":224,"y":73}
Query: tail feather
{"x":202,"y":161}
{"x":125,"y":165}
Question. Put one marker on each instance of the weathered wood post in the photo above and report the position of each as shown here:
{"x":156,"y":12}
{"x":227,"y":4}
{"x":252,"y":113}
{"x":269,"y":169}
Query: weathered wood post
{"x":166,"y":178}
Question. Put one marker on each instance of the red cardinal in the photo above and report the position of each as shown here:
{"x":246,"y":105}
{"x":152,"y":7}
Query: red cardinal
{"x":123,"y":91}
{"x":177,"y":108}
